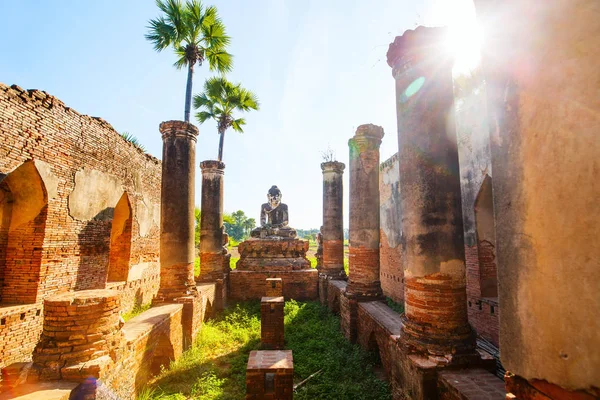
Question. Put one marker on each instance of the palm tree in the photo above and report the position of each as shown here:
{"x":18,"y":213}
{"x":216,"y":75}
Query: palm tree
{"x":219,"y":100}
{"x":196,"y":34}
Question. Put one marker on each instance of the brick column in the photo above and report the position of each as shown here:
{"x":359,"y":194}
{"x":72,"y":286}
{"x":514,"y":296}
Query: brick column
{"x":363,"y":279}
{"x":432,"y":228}
{"x":177,"y":210}
{"x":333,"y":219}
{"x":212,"y":255}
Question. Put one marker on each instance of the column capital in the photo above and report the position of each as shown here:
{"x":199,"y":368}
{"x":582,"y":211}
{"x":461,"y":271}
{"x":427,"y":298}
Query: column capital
{"x":367,"y":136}
{"x":333,"y":166}
{"x":178,"y":129}
{"x":418,"y":47}
{"x":212,"y":166}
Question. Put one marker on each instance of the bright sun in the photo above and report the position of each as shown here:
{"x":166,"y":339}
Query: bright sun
{"x":465,"y":36}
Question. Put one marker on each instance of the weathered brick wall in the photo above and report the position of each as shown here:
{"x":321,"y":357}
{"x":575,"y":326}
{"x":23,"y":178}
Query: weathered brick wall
{"x":79,"y":167}
{"x":484,"y":313}
{"x":391,"y":270}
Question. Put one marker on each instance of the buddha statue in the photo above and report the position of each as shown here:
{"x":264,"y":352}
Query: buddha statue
{"x":273,"y":218}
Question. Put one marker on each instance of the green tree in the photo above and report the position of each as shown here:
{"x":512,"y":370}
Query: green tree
{"x":196,"y":34}
{"x":219,"y":100}
{"x":197,"y":216}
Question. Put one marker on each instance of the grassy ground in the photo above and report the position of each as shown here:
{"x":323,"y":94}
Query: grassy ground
{"x":137,"y":310}
{"x":215,"y":367}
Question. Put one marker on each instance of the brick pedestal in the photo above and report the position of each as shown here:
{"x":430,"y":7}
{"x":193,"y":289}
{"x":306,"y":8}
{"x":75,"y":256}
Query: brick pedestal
{"x":81,"y":329}
{"x":270,"y":375}
{"x":273,"y":258}
{"x":433,"y":251}
{"x":274,"y":287}
{"x":333,"y":220}
{"x":271,"y":323}
{"x":177,"y":210}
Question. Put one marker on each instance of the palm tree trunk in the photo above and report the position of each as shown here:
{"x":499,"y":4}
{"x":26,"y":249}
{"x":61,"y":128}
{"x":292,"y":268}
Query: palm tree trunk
{"x":188,"y":93}
{"x":221,"y":140}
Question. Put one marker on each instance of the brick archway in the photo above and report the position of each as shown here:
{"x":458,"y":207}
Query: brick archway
{"x":120,"y":241}
{"x":23,"y":212}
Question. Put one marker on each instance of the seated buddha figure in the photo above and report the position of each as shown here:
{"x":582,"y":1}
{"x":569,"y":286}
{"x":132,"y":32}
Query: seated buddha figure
{"x":274,"y":217}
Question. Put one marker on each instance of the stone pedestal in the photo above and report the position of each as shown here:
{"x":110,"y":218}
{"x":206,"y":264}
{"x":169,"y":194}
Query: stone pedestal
{"x":81,"y":330}
{"x":432,"y":226}
{"x":273,"y":258}
{"x":271,"y":323}
{"x":270,"y":375}
{"x":214,"y":260}
{"x":333,"y":220}
{"x":177,"y":210}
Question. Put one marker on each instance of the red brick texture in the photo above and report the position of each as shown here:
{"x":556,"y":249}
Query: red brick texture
{"x":391,"y":273}
{"x":521,"y":389}
{"x":78,"y":327}
{"x":484,"y":313}
{"x":270,"y":375}
{"x":436,"y":314}
{"x":55,"y":252}
{"x":333,"y":256}
{"x":274,"y":287}
{"x":271,"y":323}
{"x":363,"y":274}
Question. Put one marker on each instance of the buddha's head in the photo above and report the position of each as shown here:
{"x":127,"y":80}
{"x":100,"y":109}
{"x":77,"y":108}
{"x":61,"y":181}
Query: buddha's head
{"x":274,"y":196}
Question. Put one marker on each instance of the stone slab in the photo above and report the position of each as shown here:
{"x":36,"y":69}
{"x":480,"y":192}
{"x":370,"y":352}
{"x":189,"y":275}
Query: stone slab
{"x":143,"y":323}
{"x":56,"y":390}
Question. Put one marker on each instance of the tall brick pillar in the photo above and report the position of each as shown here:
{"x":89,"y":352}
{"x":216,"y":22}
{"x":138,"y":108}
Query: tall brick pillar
{"x":212,"y":254}
{"x":363,"y":277}
{"x":177,"y":210}
{"x":333,"y":219}
{"x":432,"y":228}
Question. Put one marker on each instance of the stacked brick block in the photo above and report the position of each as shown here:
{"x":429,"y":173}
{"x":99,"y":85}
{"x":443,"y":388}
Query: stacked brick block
{"x":56,"y":252}
{"x":270,"y":375}
{"x":271,"y":316}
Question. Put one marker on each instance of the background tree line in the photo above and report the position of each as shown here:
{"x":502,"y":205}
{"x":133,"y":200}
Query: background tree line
{"x":237,"y":225}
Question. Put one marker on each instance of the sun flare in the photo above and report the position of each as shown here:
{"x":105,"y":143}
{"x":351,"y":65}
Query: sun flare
{"x":465,"y":36}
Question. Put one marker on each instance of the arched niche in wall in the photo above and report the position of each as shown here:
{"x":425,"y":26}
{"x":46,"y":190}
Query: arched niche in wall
{"x":23,"y":212}
{"x":486,"y":239}
{"x":120,"y":241}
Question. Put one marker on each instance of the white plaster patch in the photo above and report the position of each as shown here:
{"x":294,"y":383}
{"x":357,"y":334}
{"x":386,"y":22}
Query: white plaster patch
{"x":50,"y":180}
{"x":95,"y":195}
{"x":147,"y":216}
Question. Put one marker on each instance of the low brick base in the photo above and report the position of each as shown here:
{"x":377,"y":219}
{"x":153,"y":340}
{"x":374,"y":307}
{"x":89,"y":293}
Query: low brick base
{"x":349,"y":317}
{"x":271,"y":323}
{"x":522,"y":389}
{"x":270,"y":375}
{"x":250,"y":285}
{"x":335,"y":290}
{"x":470,"y":384}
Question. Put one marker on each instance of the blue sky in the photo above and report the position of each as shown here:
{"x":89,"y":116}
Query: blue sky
{"x":318,"y":68}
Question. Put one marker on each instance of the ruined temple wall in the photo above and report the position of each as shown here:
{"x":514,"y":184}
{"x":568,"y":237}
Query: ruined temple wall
{"x":473,"y":141}
{"x":84,"y":167}
{"x":391,"y":272}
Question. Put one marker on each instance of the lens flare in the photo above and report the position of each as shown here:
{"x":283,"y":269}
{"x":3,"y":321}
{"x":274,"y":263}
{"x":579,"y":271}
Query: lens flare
{"x":465,"y":37}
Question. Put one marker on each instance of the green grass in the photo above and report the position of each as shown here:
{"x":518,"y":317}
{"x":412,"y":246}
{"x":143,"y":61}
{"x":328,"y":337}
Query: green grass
{"x":398,"y":307}
{"x":232,"y":263}
{"x":215,"y":367}
{"x":137,"y":310}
